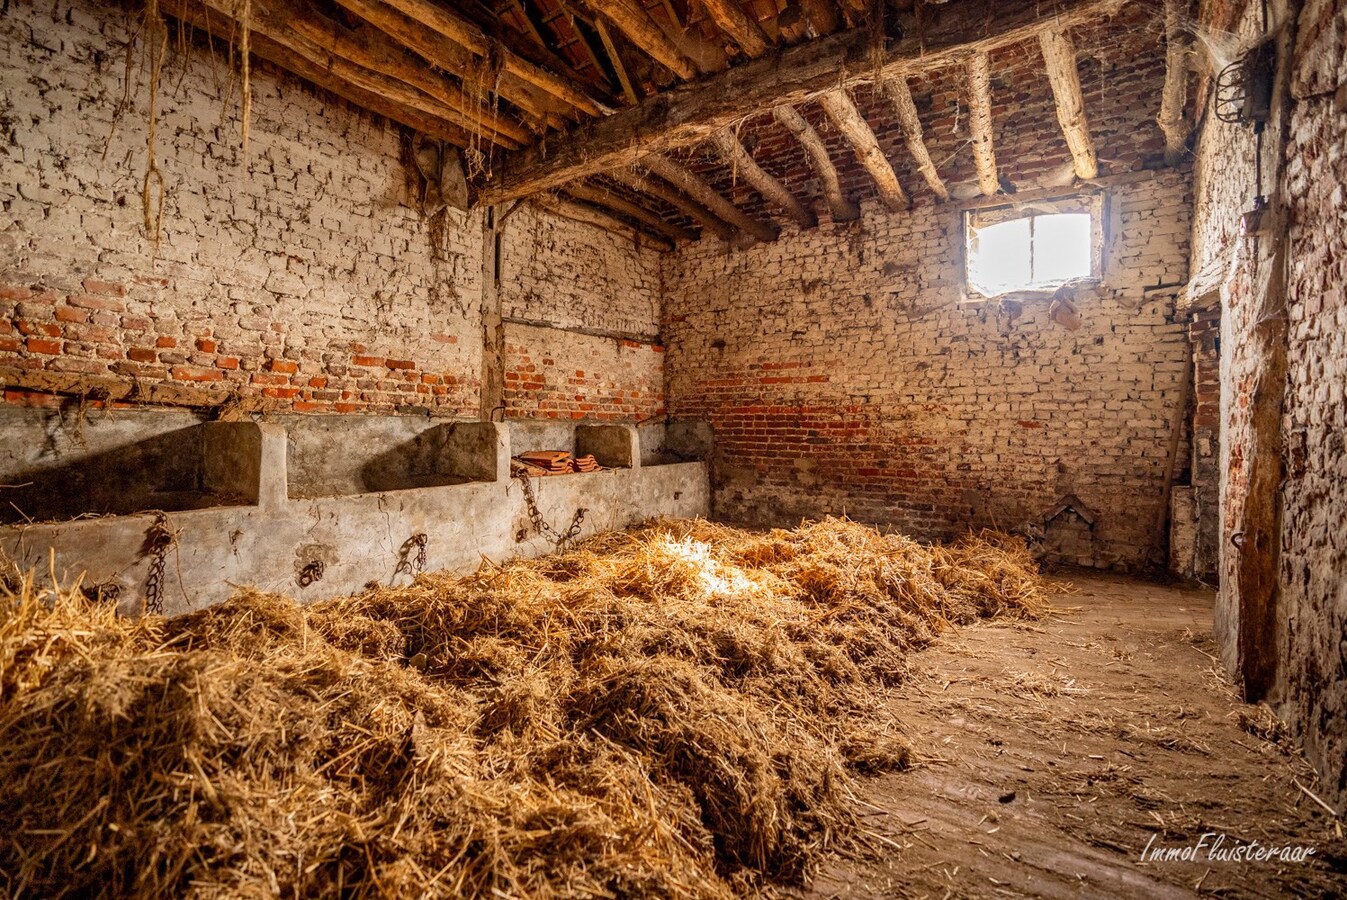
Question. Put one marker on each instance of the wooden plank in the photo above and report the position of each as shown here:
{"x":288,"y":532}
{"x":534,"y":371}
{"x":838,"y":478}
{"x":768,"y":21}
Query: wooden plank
{"x":900,"y":95}
{"x":632,"y":20}
{"x":843,"y":209}
{"x":737,"y":157}
{"x":730,"y":18}
{"x":840,"y":108}
{"x":697,"y":188}
{"x":689,"y":114}
{"x":1059,"y":57}
{"x":979,"y":78}
{"x":628,"y":89}
{"x":600,"y":196}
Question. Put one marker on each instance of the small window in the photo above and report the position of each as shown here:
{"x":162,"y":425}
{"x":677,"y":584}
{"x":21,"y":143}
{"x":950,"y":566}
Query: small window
{"x":1035,"y":247}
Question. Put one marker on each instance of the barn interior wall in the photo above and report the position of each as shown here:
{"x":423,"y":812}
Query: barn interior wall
{"x":1282,"y":611}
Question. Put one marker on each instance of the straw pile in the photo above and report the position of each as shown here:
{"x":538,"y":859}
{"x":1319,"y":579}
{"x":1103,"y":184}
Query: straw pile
{"x":672,"y":711}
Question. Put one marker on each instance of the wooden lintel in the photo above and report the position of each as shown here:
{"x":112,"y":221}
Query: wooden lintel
{"x":602,"y":197}
{"x":582,"y":212}
{"x":648,"y":184}
{"x":738,"y":158}
{"x":840,"y":108}
{"x":697,"y":188}
{"x":691,"y":113}
{"x":979,"y":77}
{"x":729,"y":16}
{"x":841,"y":207}
{"x":1059,"y":58}
{"x":900,"y":95}
{"x":1174,"y":96}
{"x":198,"y":16}
{"x":632,"y":20}
{"x":443,"y":21}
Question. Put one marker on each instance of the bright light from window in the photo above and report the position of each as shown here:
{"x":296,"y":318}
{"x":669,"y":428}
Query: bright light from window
{"x":1034,"y":252}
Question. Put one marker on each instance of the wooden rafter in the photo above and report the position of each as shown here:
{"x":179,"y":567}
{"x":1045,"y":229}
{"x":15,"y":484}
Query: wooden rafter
{"x":1059,"y":57}
{"x":730,"y":18}
{"x":691,"y":114}
{"x":463,"y":32}
{"x":647,"y":184}
{"x":697,"y":188}
{"x":582,"y":212}
{"x":737,"y":157}
{"x":376,"y":68}
{"x":1174,"y":96}
{"x":822,"y":16}
{"x":601,"y":196}
{"x":619,"y":67}
{"x":842,"y":208}
{"x":850,"y":122}
{"x":198,"y":16}
{"x":979,"y":78}
{"x":632,"y":20}
{"x":900,"y":95}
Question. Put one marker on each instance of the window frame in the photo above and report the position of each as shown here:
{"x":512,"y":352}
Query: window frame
{"x":984,"y":215}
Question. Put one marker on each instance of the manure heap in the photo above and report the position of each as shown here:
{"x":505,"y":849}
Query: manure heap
{"x":677,"y":710}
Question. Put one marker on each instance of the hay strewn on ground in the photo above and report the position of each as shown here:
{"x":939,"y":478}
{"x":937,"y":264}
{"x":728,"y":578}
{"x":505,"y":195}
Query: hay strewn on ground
{"x":671,"y":711}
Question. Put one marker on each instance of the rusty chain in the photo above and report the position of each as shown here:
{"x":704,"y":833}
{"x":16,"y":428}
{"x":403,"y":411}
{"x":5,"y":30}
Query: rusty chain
{"x":540,"y":525}
{"x":158,"y":539}
{"x":412,"y":559}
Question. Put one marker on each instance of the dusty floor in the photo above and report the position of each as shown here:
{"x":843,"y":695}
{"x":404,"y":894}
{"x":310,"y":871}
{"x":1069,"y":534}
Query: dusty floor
{"x":1052,"y":752}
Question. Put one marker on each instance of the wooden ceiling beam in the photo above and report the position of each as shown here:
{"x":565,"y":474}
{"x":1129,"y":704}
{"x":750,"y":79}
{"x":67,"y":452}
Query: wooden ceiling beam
{"x":689,"y":114}
{"x":632,"y":20}
{"x":737,"y":157}
{"x":840,"y":108}
{"x":647,"y":184}
{"x":377,"y":69}
{"x":198,"y":16}
{"x":465,"y":33}
{"x":979,"y":78}
{"x":730,"y":18}
{"x":582,"y":212}
{"x":822,"y":15}
{"x":900,"y":95}
{"x":697,"y":188}
{"x":601,"y":196}
{"x":1173,"y":120}
{"x":841,"y":207}
{"x":1059,"y":57}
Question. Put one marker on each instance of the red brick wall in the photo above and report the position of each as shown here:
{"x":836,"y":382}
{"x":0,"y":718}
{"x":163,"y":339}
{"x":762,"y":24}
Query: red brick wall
{"x":552,"y":374}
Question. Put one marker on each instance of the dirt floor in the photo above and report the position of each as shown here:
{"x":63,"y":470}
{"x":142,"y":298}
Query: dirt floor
{"x":1052,"y":752}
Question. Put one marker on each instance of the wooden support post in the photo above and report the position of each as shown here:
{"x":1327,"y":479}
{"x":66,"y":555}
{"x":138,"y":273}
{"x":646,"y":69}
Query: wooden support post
{"x":729,"y":16}
{"x":842,"y":208}
{"x":738,"y":158}
{"x":901,"y":96}
{"x":706,"y":195}
{"x":1173,"y":120}
{"x":979,"y":76}
{"x":492,"y":392}
{"x":1059,"y":57}
{"x":633,"y":21}
{"x":848,"y":119}
{"x":647,"y":184}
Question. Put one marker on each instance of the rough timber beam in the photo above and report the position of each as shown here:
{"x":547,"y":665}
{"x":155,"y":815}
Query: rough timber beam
{"x":901,"y":97}
{"x":689,"y":114}
{"x":979,"y":77}
{"x":580,"y":212}
{"x":441,"y":20}
{"x":197,"y":16}
{"x":1174,"y":95}
{"x":696,"y":188}
{"x":1059,"y":56}
{"x":371,"y":72}
{"x":448,"y":55}
{"x":647,"y":184}
{"x":633,"y":21}
{"x":602,"y":197}
{"x":842,"y":208}
{"x":746,"y":32}
{"x":737,"y":157}
{"x":839,"y":107}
